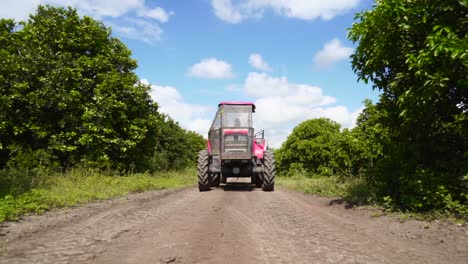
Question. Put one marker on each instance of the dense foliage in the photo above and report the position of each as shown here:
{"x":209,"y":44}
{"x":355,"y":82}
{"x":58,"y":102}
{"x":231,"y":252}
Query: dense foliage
{"x":176,"y":148}
{"x":411,"y":145}
{"x":416,"y":54}
{"x":310,"y":147}
{"x":318,"y":147}
{"x":69,"y":96}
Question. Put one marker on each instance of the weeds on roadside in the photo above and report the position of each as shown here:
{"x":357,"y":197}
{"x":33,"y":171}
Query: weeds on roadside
{"x":355,"y":191}
{"x":81,"y":186}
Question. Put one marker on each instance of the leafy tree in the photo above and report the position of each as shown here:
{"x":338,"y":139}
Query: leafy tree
{"x":310,"y":147}
{"x":176,"y":147}
{"x":350,"y":157}
{"x":416,"y":54}
{"x":372,"y":135}
{"x":195,"y":143}
{"x":69,"y":95}
{"x":68,"y":87}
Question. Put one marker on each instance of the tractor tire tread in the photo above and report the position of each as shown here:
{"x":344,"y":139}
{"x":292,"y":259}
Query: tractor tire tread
{"x":269,"y":172}
{"x":203,"y":172}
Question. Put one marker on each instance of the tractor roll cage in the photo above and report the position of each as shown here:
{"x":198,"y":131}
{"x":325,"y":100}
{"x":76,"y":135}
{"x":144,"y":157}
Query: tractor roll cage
{"x":230,"y":116}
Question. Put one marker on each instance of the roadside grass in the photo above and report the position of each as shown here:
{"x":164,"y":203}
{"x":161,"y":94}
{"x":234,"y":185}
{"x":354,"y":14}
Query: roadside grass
{"x":84,"y":186}
{"x":354,"y":191}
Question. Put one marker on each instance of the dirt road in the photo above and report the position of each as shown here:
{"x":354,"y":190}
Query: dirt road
{"x":237,"y":224}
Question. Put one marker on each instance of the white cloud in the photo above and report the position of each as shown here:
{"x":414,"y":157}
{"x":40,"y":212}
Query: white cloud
{"x":193,"y":117}
{"x":157,"y":13}
{"x":257,"y":62}
{"x":18,"y":9}
{"x":282,"y":105}
{"x":262,"y":85}
{"x":339,"y":114}
{"x":276,"y":136}
{"x":129,"y":18}
{"x":100,"y":9}
{"x":300,"y":9}
{"x":139,"y":29}
{"x":226,"y":11}
{"x":332,"y":52}
{"x":211,"y":68}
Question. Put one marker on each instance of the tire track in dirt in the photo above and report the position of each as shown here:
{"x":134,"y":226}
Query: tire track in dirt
{"x":83,"y":240}
{"x":294,"y":235}
{"x":364,"y":233}
{"x":236,"y":224}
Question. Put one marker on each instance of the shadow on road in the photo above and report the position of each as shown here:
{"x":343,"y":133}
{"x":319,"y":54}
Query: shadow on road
{"x":238,"y":187}
{"x":340,"y":201}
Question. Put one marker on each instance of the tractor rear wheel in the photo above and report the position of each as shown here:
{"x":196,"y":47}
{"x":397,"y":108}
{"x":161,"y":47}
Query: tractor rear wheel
{"x":202,"y":170}
{"x":268,"y":181}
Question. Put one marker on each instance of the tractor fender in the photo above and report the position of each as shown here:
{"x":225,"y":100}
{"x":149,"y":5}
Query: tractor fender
{"x":259,"y":149}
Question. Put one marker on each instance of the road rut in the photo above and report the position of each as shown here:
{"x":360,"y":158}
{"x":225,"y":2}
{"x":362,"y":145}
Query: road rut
{"x":234,"y":224}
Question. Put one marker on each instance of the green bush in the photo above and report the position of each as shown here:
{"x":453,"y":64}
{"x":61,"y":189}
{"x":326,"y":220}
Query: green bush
{"x":310,"y":147}
{"x":26,"y":169}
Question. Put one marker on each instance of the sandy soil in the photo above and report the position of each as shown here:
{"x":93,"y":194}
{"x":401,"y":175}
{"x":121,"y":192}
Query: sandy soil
{"x":234,"y":224}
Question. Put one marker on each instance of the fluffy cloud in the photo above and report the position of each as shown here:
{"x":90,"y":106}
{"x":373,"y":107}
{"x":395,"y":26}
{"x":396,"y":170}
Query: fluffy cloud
{"x":211,"y":68}
{"x":332,"y":52}
{"x":226,"y":11}
{"x":129,"y":18}
{"x":258,"y":63}
{"x":300,"y":9}
{"x":157,"y":13}
{"x":262,"y":85}
{"x":18,"y":9}
{"x":282,"y":105}
{"x":190,"y":116}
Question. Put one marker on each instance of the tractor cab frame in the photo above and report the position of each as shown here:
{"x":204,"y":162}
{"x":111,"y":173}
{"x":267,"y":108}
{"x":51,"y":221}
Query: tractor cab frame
{"x":234,"y":149}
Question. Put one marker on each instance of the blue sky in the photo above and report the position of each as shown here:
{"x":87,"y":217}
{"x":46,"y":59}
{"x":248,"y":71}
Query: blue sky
{"x":290,"y":57}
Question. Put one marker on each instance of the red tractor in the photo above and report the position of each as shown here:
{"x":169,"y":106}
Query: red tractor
{"x":234,"y":150}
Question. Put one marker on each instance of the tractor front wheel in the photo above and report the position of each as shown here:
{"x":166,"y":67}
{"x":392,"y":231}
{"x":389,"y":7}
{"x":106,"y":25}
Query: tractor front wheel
{"x":203,"y":172}
{"x":268,"y":179}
